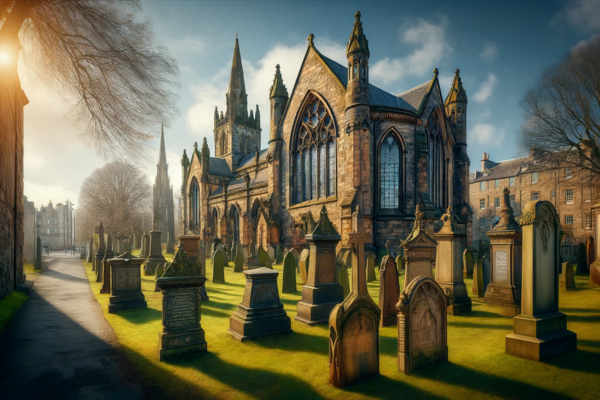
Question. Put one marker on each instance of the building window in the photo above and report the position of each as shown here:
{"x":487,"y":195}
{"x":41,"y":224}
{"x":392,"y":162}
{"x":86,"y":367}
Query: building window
{"x":55,"y":221}
{"x":535,"y":177}
{"x":482,"y":204}
{"x":482,"y":224}
{"x":535,"y":196}
{"x":511,"y":181}
{"x":553,"y":194}
{"x":588,"y":221}
{"x":48,"y":221}
{"x":314,"y":154}
{"x":195,"y":203}
{"x":497,"y":202}
{"x":55,"y":230}
{"x":512,"y":200}
{"x":389,"y":173}
{"x":568,"y":220}
{"x":567,"y":172}
{"x":497,"y":183}
{"x":48,"y":230}
{"x":437,"y":169}
{"x":482,"y":186}
{"x":569,"y":196}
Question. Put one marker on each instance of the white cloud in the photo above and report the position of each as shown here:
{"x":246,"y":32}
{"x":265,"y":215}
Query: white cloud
{"x":489,"y":53}
{"x":486,"y":89}
{"x":41,"y":193}
{"x":583,"y":15}
{"x":431,"y":46}
{"x":487,"y":134}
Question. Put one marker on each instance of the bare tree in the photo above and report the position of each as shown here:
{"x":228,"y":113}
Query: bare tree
{"x":119,"y":195}
{"x":101,"y":52}
{"x":562,"y":111}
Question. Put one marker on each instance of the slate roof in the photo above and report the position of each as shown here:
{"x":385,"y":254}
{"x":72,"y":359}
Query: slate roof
{"x":218,"y":166}
{"x":248,"y":160}
{"x":510,"y":168}
{"x":239,"y":183}
{"x":415,"y":96}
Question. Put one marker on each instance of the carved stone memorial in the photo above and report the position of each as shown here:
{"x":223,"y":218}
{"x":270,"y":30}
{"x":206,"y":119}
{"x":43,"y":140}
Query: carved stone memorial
{"x":155,"y":257}
{"x":126,"y":283}
{"x":419,"y":251}
{"x":321,"y":292}
{"x":540,"y":331}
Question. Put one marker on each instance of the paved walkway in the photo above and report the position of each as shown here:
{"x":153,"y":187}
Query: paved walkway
{"x":59,"y":345}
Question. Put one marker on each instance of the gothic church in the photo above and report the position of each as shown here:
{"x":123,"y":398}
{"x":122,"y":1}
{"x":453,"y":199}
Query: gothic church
{"x":336,"y":141}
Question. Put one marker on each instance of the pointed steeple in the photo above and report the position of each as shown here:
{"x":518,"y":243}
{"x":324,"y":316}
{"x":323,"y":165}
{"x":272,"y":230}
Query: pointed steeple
{"x":236,"y":80}
{"x":162,"y":158}
{"x":457,"y":92}
{"x":358,"y":41}
{"x":278,"y":89}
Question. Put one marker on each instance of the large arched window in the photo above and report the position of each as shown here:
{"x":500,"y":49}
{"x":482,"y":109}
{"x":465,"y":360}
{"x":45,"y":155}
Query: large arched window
{"x":195,"y":199}
{"x":437,"y":170}
{"x":314,"y":153}
{"x":234,"y":216}
{"x":215,"y":222}
{"x":390,"y":174}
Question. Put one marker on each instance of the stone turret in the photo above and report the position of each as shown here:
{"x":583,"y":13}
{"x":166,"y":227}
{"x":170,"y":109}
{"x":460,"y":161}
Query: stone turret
{"x":357,"y":53}
{"x":456,"y":108}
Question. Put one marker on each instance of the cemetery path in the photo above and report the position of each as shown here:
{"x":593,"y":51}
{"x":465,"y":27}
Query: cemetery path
{"x":60,"y":346}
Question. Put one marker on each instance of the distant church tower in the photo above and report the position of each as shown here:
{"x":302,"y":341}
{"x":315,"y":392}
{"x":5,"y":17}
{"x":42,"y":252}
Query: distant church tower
{"x":163,"y":195}
{"x":237,"y":133}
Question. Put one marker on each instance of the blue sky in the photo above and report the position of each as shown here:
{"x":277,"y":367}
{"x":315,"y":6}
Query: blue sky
{"x":501,"y":48}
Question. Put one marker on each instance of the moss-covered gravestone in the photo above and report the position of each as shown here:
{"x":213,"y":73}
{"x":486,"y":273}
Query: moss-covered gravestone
{"x":279,"y":254}
{"x":478,"y":279}
{"x":181,"y":332}
{"x":343,"y":278}
{"x":371,"y":277}
{"x":218,"y":262}
{"x":389,"y":290}
{"x":582,"y":265}
{"x":271,"y":252}
{"x":239,"y":260}
{"x":126,"y":283}
{"x":289,"y":274}
{"x":263,"y":258}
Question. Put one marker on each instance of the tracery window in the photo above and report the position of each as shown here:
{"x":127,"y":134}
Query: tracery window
{"x":437,"y":171}
{"x":215,"y":221}
{"x":390,"y":174}
{"x":195,"y":202}
{"x":313,"y":154}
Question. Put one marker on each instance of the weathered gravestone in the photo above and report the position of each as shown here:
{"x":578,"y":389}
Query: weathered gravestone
{"x":343,"y":277}
{"x":279,"y":254}
{"x":263,"y":258}
{"x":126,"y":283}
{"x":297,"y":257}
{"x":389,"y":290}
{"x":504,"y":290}
{"x":568,"y":280}
{"x":400,"y":260}
{"x":303,"y":265}
{"x":100,"y":253}
{"x":195,"y":253}
{"x":90,"y":254}
{"x":449,"y":263}
{"x":271,"y":252}
{"x":321,"y":292}
{"x":94,"y":249}
{"x":354,"y":324}
{"x":540,"y":331}
{"x":160,"y":270}
{"x":589,"y":248}
{"x":155,"y":257}
{"x":252,"y":261}
{"x":218,"y":261}
{"x":226,"y":255}
{"x":582,"y":267}
{"x":468,"y":263}
{"x":108,"y":254}
{"x":260,"y":313}
{"x":289,"y":274}
{"x":478,"y":279}
{"x":145,"y":252}
{"x":239,"y":260}
{"x":180,"y":284}
{"x":38,"y":253}
{"x":371,"y":267}
{"x":419,"y":251}
{"x":422,"y":325}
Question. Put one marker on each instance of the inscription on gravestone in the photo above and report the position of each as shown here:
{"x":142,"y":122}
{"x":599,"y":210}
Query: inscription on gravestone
{"x":180,"y":308}
{"x":326,"y":272}
{"x":127,"y":278}
{"x":501,"y":267}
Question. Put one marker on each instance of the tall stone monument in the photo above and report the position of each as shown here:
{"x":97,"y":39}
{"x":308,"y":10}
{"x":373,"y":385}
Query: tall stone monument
{"x":321,"y":292}
{"x":155,"y":256}
{"x":126,"y":283}
{"x":419,"y":251}
{"x":260,"y":313}
{"x":503,"y":292}
{"x":389,"y":291}
{"x":540,"y":331}
{"x":180,"y":287}
{"x":105,"y":289}
{"x":422,"y":325}
{"x":100,"y":253}
{"x":449,"y":263}
{"x":145,"y":251}
{"x":194,"y":252}
{"x":354,"y":324}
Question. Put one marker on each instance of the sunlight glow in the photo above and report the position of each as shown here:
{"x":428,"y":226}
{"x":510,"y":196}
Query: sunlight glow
{"x":4,"y":57}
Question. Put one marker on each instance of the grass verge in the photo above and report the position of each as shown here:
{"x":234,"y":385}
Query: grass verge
{"x":9,"y":307}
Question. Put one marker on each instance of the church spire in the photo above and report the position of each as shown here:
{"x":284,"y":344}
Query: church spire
{"x":278,"y":89}
{"x":236,"y":80}
{"x":457,"y":92}
{"x":162,"y":159}
{"x":358,"y":41}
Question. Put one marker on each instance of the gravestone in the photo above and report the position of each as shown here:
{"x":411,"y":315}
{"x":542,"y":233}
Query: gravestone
{"x":540,"y":331}
{"x":252,"y":261}
{"x":347,"y":258}
{"x":260,"y":313}
{"x":422,"y":325}
{"x":263,"y":258}
{"x":226,"y":255}
{"x":297,"y":257}
{"x":487,"y":271}
{"x":155,"y":256}
{"x":90,"y":255}
{"x":100,"y":253}
{"x":126,"y":283}
{"x":503,"y":292}
{"x":180,"y":285}
{"x":271,"y":252}
{"x":568,"y":277}
{"x":239,"y":260}
{"x":449,"y":263}
{"x":371,"y":267}
{"x":142,"y":247}
{"x":343,"y":277}
{"x":279,"y":255}
{"x":218,"y":260}
{"x":220,"y":246}
{"x":303,"y":265}
{"x":419,"y":251}
{"x":400,"y":260}
{"x":389,"y":290}
{"x":108,"y":254}
{"x":160,"y":270}
{"x":121,"y":244}
{"x":321,"y":292}
{"x":590,"y":247}
{"x":289,"y":274}
{"x":582,"y":267}
{"x":94,"y":250}
{"x":468,"y":263}
{"x":195,"y":253}
{"x":38,"y":253}
{"x":478,"y":279}
{"x":146,"y":246}
{"x":354,"y":324}
{"x":170,"y":244}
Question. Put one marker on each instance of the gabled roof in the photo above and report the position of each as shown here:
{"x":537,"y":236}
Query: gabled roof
{"x":218,"y":166}
{"x":503,"y":169}
{"x":249,"y":159}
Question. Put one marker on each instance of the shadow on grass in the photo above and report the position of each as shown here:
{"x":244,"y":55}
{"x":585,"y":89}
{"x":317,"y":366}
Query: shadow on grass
{"x":255,"y":382}
{"x":382,"y":387}
{"x":297,"y":341}
{"x":577,"y":310}
{"x":218,"y":304}
{"x":476,"y":325}
{"x":454,"y":374}
{"x":588,"y":343}
{"x":583,"y":318}
{"x":140,"y":316}
{"x":577,"y":360}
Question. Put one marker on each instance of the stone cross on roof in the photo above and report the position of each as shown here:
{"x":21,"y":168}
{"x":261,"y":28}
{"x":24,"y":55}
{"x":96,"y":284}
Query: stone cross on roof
{"x":358,"y":238}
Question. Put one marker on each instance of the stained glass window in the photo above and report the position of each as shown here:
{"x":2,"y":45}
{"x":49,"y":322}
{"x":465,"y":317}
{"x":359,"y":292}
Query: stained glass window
{"x":390,"y":173}
{"x":437,"y":168}
{"x":331,"y":187}
{"x":298,"y":178}
{"x":306,"y":175}
{"x":322,"y":169}
{"x":313,"y":156}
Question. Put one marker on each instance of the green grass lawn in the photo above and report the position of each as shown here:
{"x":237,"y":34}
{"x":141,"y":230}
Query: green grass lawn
{"x":296,"y":365}
{"x":9,"y":306}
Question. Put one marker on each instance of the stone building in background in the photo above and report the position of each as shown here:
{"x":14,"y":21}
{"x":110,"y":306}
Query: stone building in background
{"x":336,"y":141}
{"x":56,"y":226}
{"x":535,"y":177}
{"x":163,"y":195}
{"x":29,"y":231}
